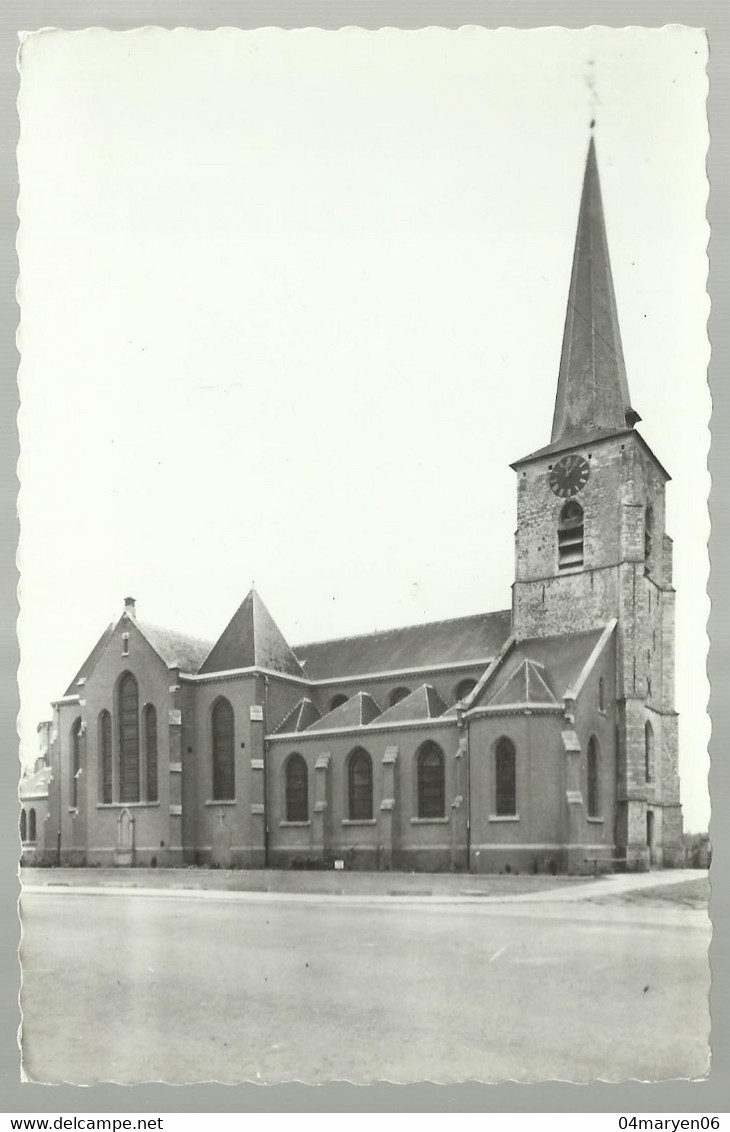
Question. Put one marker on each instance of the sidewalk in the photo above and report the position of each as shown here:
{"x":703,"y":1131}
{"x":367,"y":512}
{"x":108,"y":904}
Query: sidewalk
{"x":459,"y":887}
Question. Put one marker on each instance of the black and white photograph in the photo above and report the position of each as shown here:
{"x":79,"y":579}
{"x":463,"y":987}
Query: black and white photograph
{"x":364,"y":430}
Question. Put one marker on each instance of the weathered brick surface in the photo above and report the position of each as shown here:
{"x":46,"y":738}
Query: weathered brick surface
{"x":626,"y":575}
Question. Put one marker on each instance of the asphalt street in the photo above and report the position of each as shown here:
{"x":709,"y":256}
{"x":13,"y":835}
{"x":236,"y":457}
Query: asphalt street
{"x":130,"y":987}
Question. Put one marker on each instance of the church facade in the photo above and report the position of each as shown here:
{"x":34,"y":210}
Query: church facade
{"x":537,"y":738}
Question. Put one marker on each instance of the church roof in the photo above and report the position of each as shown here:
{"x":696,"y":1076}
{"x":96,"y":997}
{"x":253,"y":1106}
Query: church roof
{"x":252,"y":639}
{"x":178,"y":650}
{"x":359,"y":710}
{"x":526,"y":685}
{"x":474,"y":638}
{"x":301,"y":716}
{"x":423,"y":703}
{"x":539,"y":666}
{"x":593,"y":393}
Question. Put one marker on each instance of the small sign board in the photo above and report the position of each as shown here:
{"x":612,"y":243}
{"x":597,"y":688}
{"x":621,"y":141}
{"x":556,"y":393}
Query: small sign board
{"x":175,"y":716}
{"x":257,"y":712}
{"x":339,"y":864}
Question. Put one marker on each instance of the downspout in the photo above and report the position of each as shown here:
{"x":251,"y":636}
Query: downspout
{"x":57,"y":769}
{"x":467,"y":784}
{"x":265,"y":760}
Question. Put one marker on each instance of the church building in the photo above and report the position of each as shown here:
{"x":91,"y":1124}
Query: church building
{"x":537,"y":738}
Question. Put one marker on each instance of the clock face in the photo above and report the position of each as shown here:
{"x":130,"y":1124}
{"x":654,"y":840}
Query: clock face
{"x":569,"y":476}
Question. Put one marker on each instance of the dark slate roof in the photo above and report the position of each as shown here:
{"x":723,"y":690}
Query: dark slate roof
{"x":36,"y":783}
{"x":593,"y":392}
{"x":359,"y":710}
{"x":560,"y":661}
{"x":252,"y":640}
{"x":301,"y":716}
{"x":526,"y":685}
{"x":90,"y":661}
{"x":423,"y":703}
{"x":478,"y":637}
{"x":178,"y":650}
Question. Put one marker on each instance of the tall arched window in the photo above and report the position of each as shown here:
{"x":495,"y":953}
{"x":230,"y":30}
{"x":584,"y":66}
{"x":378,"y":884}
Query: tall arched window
{"x":506,"y":779}
{"x":648,"y":538}
{"x":150,"y":739}
{"x":648,"y":751}
{"x":360,"y":786}
{"x":128,"y":739}
{"x":397,"y":695}
{"x":224,"y":781}
{"x":431,"y":782}
{"x":297,"y":789}
{"x":76,"y":733}
{"x":337,"y":701}
{"x":105,"y":756}
{"x":465,"y":688}
{"x":32,"y":834}
{"x":594,"y":792}
{"x":23,"y":826}
{"x":570,"y":536}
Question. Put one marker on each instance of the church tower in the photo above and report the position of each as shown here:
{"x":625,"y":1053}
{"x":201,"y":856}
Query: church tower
{"x":591,"y":544}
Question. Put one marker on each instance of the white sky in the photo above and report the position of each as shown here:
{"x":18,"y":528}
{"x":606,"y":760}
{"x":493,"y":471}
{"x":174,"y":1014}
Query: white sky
{"x":293,"y":300}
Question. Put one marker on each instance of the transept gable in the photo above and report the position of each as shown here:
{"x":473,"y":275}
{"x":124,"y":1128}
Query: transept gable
{"x":174,"y":649}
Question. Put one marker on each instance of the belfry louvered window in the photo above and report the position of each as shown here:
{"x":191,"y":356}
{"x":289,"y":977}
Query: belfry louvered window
{"x":506,"y":779}
{"x":105,"y":756}
{"x":224,"y":782}
{"x":431,"y":784}
{"x":128,"y":739}
{"x":570,"y":536}
{"x":76,"y":733}
{"x":150,"y":736}
{"x":360,"y":786}
{"x":297,"y":791}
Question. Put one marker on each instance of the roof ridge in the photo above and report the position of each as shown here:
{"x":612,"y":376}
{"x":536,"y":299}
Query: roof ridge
{"x":400,"y":628}
{"x":167,"y":629}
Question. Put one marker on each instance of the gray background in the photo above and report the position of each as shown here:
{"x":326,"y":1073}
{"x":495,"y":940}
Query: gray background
{"x":708,"y":1096}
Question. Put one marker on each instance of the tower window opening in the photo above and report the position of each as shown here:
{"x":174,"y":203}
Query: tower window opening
{"x":570,"y":536}
{"x":648,"y":538}
{"x":648,"y":752}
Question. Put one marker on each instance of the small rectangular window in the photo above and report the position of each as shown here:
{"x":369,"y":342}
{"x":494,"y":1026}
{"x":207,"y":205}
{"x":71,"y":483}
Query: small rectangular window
{"x":125,"y":644}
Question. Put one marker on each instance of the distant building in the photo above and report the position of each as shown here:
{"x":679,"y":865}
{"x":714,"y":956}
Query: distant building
{"x":542,"y":737}
{"x":37,"y":836}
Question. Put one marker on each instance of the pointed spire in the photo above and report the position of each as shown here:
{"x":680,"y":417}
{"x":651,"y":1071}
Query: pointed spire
{"x":252,"y":639}
{"x":593,"y":393}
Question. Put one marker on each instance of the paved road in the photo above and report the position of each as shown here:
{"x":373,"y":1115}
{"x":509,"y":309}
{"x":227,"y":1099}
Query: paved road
{"x":131,"y":988}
